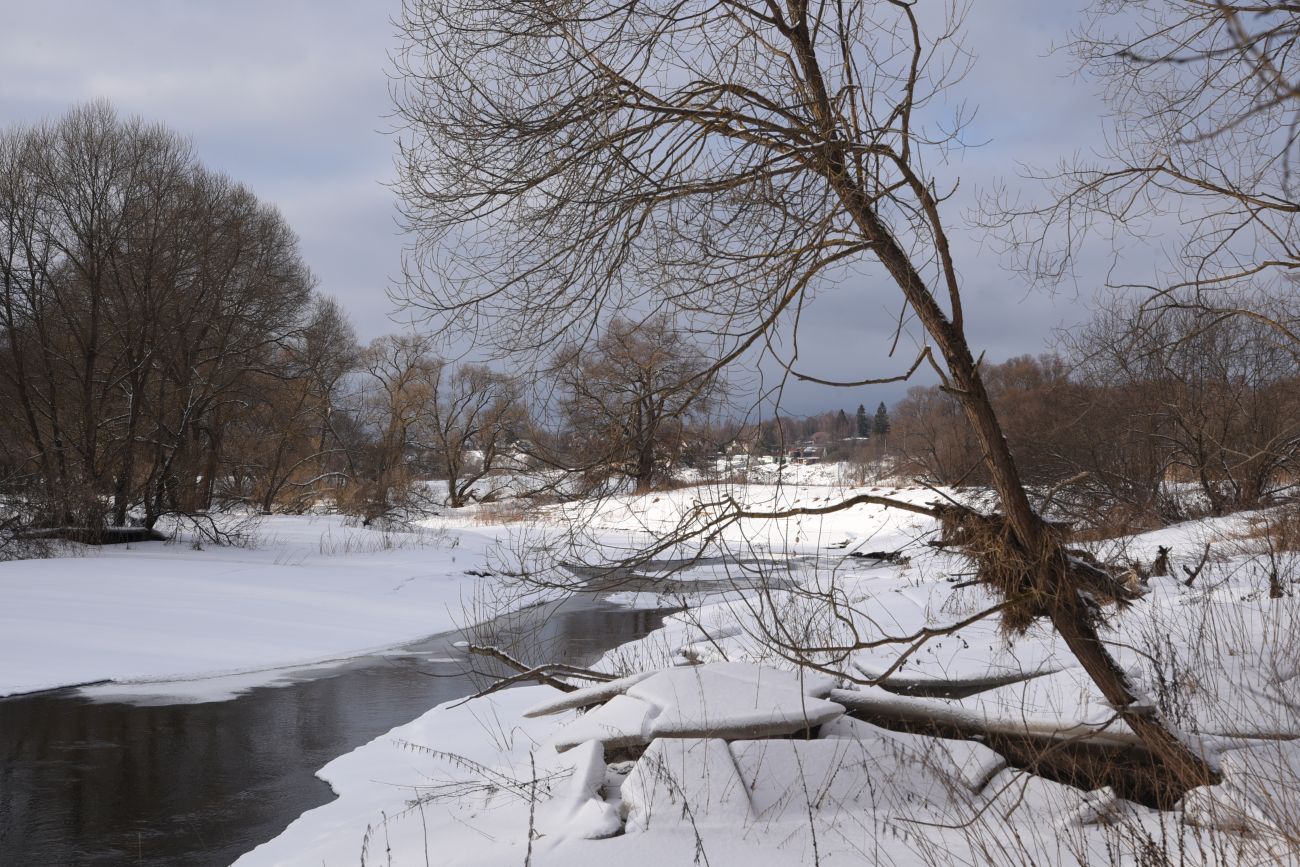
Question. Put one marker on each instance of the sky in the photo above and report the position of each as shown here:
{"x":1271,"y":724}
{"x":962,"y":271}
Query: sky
{"x":291,"y":97}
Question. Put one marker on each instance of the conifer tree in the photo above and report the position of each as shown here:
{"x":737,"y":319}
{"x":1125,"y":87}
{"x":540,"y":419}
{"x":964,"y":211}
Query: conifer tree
{"x":881,"y":426}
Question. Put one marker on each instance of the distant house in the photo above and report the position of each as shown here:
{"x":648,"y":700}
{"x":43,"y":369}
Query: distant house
{"x":806,"y":453}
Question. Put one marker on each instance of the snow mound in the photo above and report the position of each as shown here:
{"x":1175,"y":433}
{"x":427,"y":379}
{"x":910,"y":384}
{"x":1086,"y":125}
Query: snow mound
{"x":725,"y":700}
{"x":579,"y":811}
{"x":623,"y":721}
{"x":685,"y":782}
{"x":1258,"y":795}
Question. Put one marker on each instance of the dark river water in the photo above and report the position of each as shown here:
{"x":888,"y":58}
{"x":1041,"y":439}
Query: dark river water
{"x":91,"y":783}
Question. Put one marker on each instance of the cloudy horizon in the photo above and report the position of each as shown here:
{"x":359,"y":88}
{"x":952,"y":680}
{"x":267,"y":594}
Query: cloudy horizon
{"x":292,"y":99}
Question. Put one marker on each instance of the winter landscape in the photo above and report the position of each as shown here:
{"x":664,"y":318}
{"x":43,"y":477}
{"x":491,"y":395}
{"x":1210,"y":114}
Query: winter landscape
{"x":519,"y":432}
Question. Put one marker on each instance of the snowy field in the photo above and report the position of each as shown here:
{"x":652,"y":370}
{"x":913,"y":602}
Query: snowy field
{"x":711,"y":748}
{"x":695,"y":764}
{"x":163,"y":618}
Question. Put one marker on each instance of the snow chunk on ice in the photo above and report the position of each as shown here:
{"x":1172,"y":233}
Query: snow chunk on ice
{"x":685,"y":782}
{"x":620,"y":722}
{"x":735,"y":700}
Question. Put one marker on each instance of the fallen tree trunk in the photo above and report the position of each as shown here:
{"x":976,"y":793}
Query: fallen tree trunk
{"x":1087,"y":756}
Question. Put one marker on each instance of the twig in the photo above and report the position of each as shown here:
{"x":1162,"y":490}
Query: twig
{"x":1192,"y":573}
{"x":546,"y":674}
{"x":556,"y":668}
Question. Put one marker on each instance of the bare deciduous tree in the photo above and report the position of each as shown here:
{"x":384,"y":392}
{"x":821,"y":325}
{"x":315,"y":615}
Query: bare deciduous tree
{"x":1200,"y":155}
{"x":738,"y":151}
{"x":472,"y":414}
{"x":425,"y":414}
{"x":138,"y":294}
{"x":1215,"y":395}
{"x":290,"y":450}
{"x":398,"y":369}
{"x":629,"y":396}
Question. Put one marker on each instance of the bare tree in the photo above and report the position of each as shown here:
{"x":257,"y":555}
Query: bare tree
{"x":737,"y":151}
{"x":1205,"y":126}
{"x":1215,"y":395}
{"x":629,"y":396}
{"x":932,"y":440}
{"x":472,"y":413}
{"x":288,"y":446}
{"x":138,"y":294}
{"x":398,"y":370}
{"x":86,"y":208}
{"x":327,"y":352}
{"x":426,"y":416}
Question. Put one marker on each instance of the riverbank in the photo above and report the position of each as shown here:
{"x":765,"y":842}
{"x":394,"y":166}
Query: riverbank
{"x":486,"y":782}
{"x":163,"y":617}
{"x":636,"y":781}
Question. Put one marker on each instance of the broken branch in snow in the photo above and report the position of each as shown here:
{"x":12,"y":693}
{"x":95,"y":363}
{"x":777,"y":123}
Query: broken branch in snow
{"x":896,"y":557}
{"x":858,"y":500}
{"x":1192,"y":573}
{"x":547,"y":674}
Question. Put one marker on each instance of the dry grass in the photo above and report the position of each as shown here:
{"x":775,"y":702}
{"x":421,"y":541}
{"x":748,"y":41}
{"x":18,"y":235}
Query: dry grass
{"x":511,"y":511}
{"x":368,"y":541}
{"x":1277,"y":530}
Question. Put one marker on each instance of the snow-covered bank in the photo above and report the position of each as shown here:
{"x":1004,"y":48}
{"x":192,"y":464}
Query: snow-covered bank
{"x":312,"y":590}
{"x":487,"y":783}
{"x":482,"y":784}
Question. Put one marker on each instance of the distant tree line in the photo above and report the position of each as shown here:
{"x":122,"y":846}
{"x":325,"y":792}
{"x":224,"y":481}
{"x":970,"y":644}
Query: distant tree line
{"x":147,"y":307}
{"x":843,"y":435}
{"x":1137,"y":408}
{"x":163,"y":351}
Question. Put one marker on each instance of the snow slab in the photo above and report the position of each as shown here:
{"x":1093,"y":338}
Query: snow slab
{"x":140,"y":614}
{"x":685,"y":783}
{"x":719,"y":700}
{"x":735,"y":699}
{"x":621,"y":722}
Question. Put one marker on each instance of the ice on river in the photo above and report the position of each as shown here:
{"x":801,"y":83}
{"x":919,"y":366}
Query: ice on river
{"x":226,"y":619}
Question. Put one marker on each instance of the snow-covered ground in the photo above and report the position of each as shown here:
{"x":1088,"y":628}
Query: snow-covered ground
{"x":161,"y":616}
{"x":684,"y":770}
{"x":694,"y":764}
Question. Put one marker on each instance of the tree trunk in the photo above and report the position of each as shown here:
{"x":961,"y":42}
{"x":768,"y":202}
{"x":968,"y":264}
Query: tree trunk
{"x":122,"y":486}
{"x":212,"y":463}
{"x":645,"y":465}
{"x":1068,"y":612}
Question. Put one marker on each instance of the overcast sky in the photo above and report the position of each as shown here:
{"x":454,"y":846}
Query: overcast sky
{"x":291,"y":97}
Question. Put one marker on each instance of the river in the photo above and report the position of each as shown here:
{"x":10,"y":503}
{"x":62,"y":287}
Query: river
{"x":87,"y":782}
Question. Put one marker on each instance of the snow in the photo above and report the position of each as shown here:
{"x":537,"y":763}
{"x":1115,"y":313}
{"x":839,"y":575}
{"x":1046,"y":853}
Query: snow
{"x":723,"y":700}
{"x":732,"y":700}
{"x":222,"y":620}
{"x":493,"y":783}
{"x":688,"y":783}
{"x":706,"y":788}
{"x":621,"y":722}
{"x":590,"y":816}
{"x":1258,"y":795}
{"x":589,"y":695}
{"x":709,"y":747}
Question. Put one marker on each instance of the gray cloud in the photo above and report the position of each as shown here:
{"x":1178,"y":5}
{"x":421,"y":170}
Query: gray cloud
{"x":287,"y":97}
{"x":291,"y":98}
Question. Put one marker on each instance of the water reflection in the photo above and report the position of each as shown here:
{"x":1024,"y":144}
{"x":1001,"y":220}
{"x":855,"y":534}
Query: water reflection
{"x":115,"y":783}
